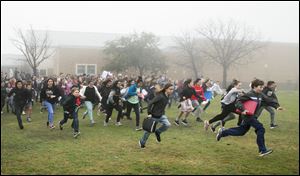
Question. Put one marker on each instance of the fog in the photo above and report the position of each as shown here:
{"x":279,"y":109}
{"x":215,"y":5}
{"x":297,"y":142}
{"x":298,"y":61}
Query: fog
{"x":276,"y":21}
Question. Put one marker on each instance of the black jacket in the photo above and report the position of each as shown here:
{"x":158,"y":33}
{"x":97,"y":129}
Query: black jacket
{"x":187,"y":92}
{"x":157,"y":105}
{"x":272,"y":96}
{"x":46,"y":92}
{"x":258,"y":97}
{"x":22,"y":96}
{"x":69,"y":103}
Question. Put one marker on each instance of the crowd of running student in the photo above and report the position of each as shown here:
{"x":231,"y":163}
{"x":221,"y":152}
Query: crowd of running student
{"x":124,"y":94}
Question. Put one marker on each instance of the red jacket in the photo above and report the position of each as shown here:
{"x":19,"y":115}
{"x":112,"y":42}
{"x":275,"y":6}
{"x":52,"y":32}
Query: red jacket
{"x":199,"y":92}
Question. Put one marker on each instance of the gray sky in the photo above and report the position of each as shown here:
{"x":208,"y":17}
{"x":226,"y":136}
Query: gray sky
{"x":277,"y":21}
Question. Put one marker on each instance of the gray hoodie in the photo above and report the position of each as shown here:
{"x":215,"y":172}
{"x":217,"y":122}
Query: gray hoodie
{"x":231,"y":96}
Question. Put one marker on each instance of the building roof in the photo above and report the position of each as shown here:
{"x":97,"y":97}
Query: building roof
{"x":91,"y":39}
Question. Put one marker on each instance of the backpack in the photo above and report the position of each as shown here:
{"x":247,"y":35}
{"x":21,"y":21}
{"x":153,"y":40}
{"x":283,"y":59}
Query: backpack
{"x":149,"y":124}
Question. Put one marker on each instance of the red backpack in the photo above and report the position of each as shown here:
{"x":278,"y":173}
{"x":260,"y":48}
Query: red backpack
{"x":250,"y":106}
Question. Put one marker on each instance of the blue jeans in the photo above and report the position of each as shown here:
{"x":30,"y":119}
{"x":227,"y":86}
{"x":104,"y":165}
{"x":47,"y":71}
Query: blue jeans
{"x":50,"y":108}
{"x":244,"y":128}
{"x":75,"y":123}
{"x":89,"y":107}
{"x":165,"y":125}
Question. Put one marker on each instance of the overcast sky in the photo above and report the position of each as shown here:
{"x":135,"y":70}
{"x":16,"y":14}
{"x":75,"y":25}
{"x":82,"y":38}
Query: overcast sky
{"x":277,"y":21}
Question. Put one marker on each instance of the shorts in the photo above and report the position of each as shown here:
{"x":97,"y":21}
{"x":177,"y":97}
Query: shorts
{"x":28,"y":105}
{"x":186,"y":106}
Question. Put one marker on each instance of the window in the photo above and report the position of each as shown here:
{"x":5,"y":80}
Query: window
{"x":89,"y":69}
{"x":80,"y":69}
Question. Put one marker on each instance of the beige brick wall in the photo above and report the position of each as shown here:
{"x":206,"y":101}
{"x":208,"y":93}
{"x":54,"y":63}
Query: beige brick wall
{"x":278,"y":61}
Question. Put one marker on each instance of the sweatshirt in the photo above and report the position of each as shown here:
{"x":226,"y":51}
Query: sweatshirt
{"x":157,"y":105}
{"x":258,"y":97}
{"x":22,"y":96}
{"x":231,"y":96}
{"x":46,"y":93}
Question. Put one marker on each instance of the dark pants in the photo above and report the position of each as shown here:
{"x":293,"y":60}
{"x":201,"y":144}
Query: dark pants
{"x":270,"y":110}
{"x":136,"y":108}
{"x":226,"y":110}
{"x":244,"y":128}
{"x":110,"y":109}
{"x":75,"y":123}
{"x":18,"y":110}
{"x":104,"y":103}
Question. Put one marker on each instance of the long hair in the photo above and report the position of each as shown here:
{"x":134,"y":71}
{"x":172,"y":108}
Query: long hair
{"x":232,"y":84}
{"x":163,"y":90}
{"x":187,"y":82}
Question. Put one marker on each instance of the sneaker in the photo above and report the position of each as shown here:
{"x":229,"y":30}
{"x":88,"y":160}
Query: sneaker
{"x":105,"y":124}
{"x":141,"y":145}
{"x":28,"y":119}
{"x":23,"y":113}
{"x":76,"y":134}
{"x":52,"y":127}
{"x":269,"y":151}
{"x":92,"y":123}
{"x":219,"y":134}
{"x":22,"y":127}
{"x":206,"y":125}
{"x":47,"y":123}
{"x":84,"y":115}
{"x":1,"y":112}
{"x":118,"y":124}
{"x":138,"y":128}
{"x":158,"y":139}
{"x":184,"y":122}
{"x":60,"y":126}
{"x":273,"y":126}
{"x":176,"y":122}
{"x":198,"y":119}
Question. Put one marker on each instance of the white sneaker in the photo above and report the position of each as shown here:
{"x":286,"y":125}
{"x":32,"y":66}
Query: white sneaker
{"x":267,"y":152}
{"x":92,"y":123}
{"x":76,"y":134}
{"x":138,"y":128}
{"x":118,"y":124}
{"x":23,"y":113}
{"x":105,"y":124}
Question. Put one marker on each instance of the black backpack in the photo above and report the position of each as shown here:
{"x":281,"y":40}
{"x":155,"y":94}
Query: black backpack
{"x":149,"y":124}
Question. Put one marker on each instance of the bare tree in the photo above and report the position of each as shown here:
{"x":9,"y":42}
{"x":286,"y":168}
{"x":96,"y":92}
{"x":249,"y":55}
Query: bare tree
{"x":228,"y":44}
{"x":187,"y":45}
{"x":36,"y":50}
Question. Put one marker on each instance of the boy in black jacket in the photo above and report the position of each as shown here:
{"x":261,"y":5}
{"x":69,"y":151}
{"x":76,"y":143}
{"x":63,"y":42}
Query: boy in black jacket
{"x":21,"y":97}
{"x":251,"y":120}
{"x":269,"y":91}
{"x":70,"y":105}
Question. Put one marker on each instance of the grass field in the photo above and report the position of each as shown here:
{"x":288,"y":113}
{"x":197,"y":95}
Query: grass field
{"x":183,"y":150}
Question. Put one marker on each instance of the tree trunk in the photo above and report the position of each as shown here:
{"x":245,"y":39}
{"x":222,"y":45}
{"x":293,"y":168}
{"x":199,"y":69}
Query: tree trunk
{"x":141,"y":70}
{"x":34,"y":69}
{"x":194,"y":67}
{"x":224,"y":83}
